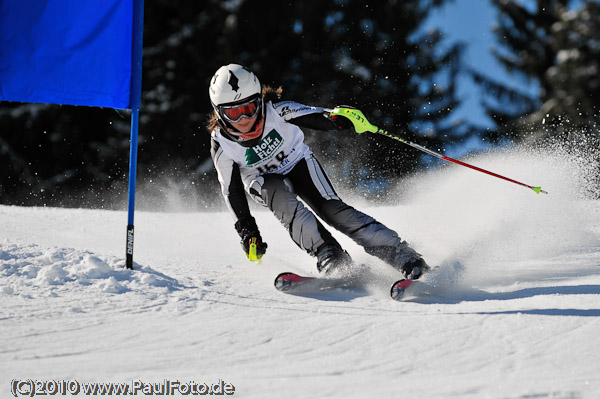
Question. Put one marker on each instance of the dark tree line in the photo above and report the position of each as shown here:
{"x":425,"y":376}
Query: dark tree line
{"x":372,"y":55}
{"x":556,"y":44}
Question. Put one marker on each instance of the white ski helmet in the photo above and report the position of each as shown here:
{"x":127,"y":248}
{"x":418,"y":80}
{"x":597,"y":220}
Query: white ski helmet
{"x":233,"y":83}
{"x":235,"y":92}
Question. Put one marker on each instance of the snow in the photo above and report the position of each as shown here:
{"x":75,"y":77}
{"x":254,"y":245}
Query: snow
{"x":521,"y":322}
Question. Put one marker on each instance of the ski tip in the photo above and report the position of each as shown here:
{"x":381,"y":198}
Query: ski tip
{"x":284,"y":281}
{"x":399,"y":289}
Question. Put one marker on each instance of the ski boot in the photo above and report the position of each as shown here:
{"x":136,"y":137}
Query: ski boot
{"x":332,"y":257}
{"x":402,"y":258}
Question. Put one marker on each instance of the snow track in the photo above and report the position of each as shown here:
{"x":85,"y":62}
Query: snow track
{"x":522,"y":322}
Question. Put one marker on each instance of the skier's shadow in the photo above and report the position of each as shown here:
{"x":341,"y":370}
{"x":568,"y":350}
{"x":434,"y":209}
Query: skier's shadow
{"x":474,"y":295}
{"x":346,"y":294}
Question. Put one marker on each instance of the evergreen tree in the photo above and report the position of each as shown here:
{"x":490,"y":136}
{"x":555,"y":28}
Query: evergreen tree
{"x":556,"y":44}
{"x":61,"y":155}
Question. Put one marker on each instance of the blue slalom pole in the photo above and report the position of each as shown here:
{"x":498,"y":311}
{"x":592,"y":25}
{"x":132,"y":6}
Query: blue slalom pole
{"x":136,"y":100}
{"x":132,"y":179}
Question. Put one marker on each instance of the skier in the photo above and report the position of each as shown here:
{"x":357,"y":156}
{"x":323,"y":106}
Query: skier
{"x":257,"y":146}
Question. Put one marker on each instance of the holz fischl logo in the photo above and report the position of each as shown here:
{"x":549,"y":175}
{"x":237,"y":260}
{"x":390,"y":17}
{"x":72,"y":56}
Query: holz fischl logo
{"x":265,"y":149}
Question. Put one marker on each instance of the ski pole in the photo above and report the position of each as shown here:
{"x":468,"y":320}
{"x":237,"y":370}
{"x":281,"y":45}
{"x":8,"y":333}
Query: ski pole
{"x":361,"y":125}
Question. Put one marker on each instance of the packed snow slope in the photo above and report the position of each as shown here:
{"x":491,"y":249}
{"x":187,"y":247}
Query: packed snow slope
{"x":522,"y":319}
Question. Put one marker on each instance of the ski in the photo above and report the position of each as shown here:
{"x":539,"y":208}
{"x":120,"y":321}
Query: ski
{"x":295,"y":283}
{"x":434,"y":282}
{"x":289,"y":281}
{"x":399,"y":289}
{"x":437,"y":280}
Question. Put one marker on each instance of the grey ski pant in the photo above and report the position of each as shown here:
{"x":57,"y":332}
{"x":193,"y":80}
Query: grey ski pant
{"x":309,"y":182}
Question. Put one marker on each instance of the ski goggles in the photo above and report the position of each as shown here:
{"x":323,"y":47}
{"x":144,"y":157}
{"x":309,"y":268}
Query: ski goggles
{"x":235,"y":113}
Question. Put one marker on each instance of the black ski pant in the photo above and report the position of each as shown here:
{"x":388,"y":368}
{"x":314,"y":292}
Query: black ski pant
{"x":308,"y":181}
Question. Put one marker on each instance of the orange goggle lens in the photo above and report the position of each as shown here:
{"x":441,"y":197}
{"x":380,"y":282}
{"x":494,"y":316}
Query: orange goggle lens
{"x":235,"y":113}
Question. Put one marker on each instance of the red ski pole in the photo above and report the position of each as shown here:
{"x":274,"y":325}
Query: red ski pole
{"x":361,"y":125}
